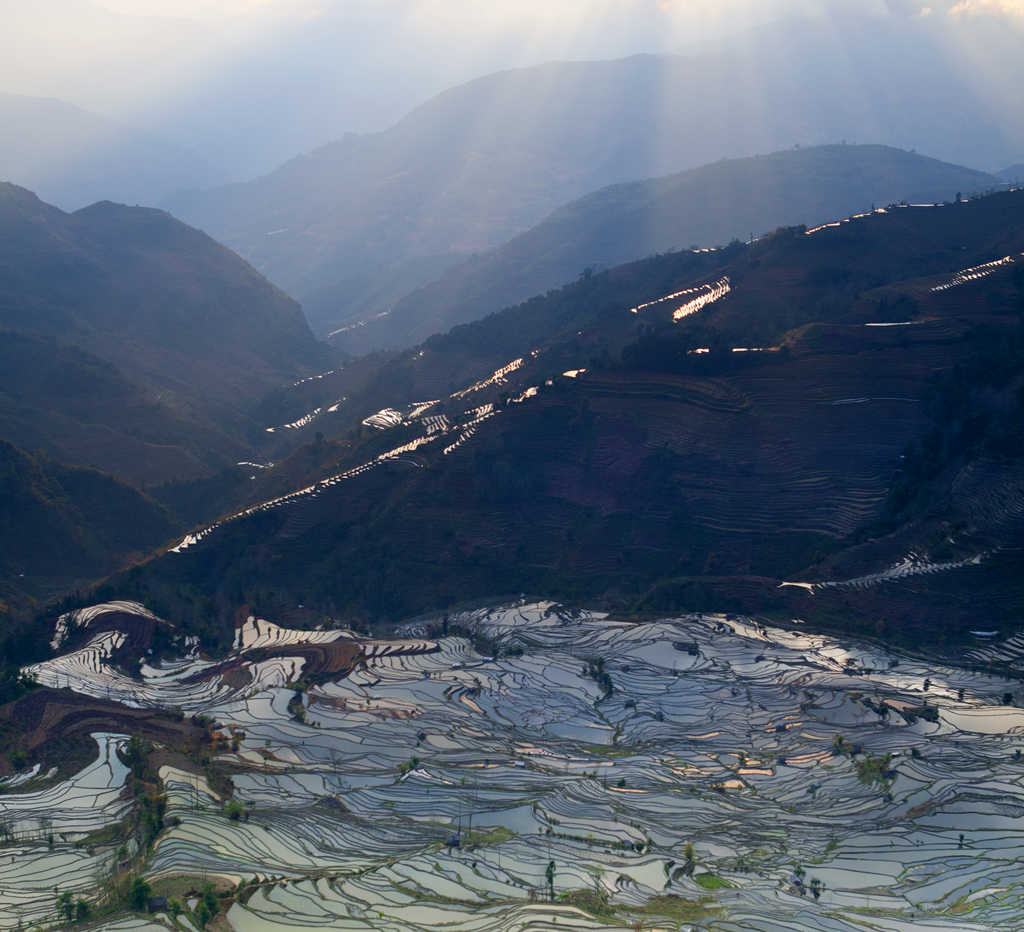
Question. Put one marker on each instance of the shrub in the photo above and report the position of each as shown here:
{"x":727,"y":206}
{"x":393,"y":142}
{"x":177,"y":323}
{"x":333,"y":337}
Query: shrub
{"x":138,"y":894}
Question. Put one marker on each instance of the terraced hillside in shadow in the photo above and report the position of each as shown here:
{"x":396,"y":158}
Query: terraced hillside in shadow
{"x":784,"y":431}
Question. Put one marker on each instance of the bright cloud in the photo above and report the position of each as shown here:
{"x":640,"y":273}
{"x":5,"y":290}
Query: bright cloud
{"x":214,"y":10}
{"x":1003,"y":7}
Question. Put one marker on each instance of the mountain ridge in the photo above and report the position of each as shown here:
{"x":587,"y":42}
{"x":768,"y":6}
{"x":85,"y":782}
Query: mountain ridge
{"x":483,"y":162}
{"x":62,"y":527}
{"x":705,"y":206}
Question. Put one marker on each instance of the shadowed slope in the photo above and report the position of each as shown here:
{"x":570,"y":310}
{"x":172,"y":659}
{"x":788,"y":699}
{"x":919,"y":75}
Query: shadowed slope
{"x":135,"y":311}
{"x":650,"y":475}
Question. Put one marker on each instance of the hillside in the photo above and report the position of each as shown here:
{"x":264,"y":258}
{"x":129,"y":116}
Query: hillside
{"x":72,"y":157}
{"x":707,"y":206}
{"x":61,"y":527}
{"x":807,"y":442}
{"x":134,"y":342}
{"x":1014,"y":174}
{"x":352,"y":227}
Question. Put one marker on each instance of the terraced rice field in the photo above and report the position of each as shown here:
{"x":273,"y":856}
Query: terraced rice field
{"x":973,"y":274}
{"x":912,"y":564}
{"x":790,"y":762}
{"x":434,"y":427}
{"x":39,"y":829}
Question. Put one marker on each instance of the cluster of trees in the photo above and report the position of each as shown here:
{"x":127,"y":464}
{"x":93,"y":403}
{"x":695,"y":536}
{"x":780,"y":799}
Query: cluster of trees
{"x":70,"y":909}
{"x":595,"y":670}
{"x":14,"y":684}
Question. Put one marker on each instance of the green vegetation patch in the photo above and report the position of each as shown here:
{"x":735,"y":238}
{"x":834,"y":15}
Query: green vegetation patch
{"x":492,"y":836}
{"x":594,"y":902}
{"x":711,"y":881}
{"x":680,"y":908}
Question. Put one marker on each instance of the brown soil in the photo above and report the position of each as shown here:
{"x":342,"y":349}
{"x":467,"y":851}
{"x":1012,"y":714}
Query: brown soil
{"x":53,"y":727}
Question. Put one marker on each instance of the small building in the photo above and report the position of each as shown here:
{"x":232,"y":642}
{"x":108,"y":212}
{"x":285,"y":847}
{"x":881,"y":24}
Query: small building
{"x":157,"y":904}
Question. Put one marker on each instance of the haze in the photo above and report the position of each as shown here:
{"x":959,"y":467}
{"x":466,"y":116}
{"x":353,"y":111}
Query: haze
{"x":247,"y":84}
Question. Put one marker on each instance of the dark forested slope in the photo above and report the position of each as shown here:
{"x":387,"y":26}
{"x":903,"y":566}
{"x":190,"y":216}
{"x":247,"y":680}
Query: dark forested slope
{"x":62,"y":526}
{"x":134,"y":342}
{"x":807,"y":442}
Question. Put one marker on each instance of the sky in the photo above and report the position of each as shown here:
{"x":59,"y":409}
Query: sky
{"x":257,"y":81}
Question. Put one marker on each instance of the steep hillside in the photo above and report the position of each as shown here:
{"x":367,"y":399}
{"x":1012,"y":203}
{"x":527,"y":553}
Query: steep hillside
{"x":757,"y":426}
{"x":73,"y":158}
{"x":61,"y":527}
{"x":706,"y":206}
{"x":134,"y":342}
{"x":350,"y":227}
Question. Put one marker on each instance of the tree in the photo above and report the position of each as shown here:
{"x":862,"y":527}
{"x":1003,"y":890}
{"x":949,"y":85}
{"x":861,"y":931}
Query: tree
{"x":138,"y":894}
{"x":65,"y":906}
{"x":135,"y":753}
{"x":82,"y":910}
{"x":210,"y":899}
{"x":550,"y":876}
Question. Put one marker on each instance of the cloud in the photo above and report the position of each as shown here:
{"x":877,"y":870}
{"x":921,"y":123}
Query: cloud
{"x":1014,"y":8}
{"x":218,"y":10}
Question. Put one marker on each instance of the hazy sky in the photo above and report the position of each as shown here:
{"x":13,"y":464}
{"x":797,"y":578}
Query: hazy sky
{"x":260,"y":80}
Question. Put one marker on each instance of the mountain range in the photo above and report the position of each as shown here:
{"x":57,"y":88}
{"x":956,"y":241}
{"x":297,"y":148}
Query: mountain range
{"x":701,"y":207}
{"x":62,"y":527}
{"x":352,"y":227}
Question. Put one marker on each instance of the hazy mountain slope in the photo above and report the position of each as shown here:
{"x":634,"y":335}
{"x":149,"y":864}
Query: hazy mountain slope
{"x":705,"y":207}
{"x":672,"y":480}
{"x":1014,"y":174}
{"x":483,"y":162}
{"x":189,"y":335}
{"x":61,"y":527}
{"x":71,"y":157}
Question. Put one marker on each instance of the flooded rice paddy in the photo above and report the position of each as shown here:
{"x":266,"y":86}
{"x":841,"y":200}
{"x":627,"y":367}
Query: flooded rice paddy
{"x":699,"y":772}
